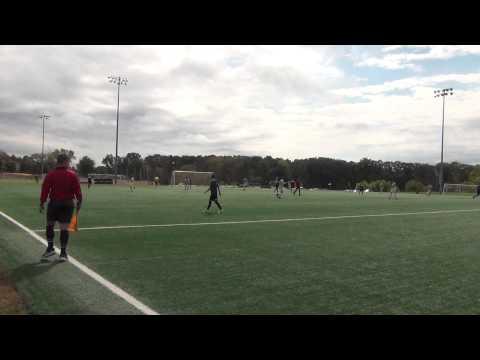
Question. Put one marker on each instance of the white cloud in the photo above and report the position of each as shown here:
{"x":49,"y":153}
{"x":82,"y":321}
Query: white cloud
{"x":285,"y":101}
{"x":406,"y":59}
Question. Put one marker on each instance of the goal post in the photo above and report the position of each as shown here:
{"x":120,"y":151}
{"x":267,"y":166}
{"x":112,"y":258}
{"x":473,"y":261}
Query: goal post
{"x":198,"y":177}
{"x":460,"y":188}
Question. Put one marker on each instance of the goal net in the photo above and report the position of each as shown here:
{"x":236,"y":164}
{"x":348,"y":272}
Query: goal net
{"x":461,"y":188}
{"x":198,"y":177}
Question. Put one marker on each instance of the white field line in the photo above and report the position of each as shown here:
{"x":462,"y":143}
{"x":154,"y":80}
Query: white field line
{"x":110,"y":286}
{"x":274,"y":220}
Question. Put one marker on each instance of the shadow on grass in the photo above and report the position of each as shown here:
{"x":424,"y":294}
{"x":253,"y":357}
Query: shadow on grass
{"x":29,"y":271}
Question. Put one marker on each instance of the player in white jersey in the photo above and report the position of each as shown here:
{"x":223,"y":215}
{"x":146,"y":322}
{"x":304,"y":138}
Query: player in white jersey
{"x":429,"y":190}
{"x":131,"y":182}
{"x":281,"y":184}
{"x":245,"y":184}
{"x":393,"y":191}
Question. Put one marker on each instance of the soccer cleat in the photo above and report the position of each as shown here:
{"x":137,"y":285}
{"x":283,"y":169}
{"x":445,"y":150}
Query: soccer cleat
{"x":48,"y":253}
{"x":63,"y":257}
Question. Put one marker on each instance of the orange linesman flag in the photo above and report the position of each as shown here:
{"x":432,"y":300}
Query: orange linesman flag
{"x":73,"y":226}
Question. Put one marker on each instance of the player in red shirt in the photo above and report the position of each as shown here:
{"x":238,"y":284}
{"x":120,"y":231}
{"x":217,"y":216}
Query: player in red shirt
{"x":297,"y":186}
{"x":62,"y":187}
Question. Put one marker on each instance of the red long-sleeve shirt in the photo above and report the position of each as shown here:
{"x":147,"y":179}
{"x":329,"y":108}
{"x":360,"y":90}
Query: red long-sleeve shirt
{"x":61,"y":184}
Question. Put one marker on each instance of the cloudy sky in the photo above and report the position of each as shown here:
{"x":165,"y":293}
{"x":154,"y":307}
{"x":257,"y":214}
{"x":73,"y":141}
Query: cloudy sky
{"x":344,"y":102}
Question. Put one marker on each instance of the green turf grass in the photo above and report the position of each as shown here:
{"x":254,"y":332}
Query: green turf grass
{"x":415,"y":264}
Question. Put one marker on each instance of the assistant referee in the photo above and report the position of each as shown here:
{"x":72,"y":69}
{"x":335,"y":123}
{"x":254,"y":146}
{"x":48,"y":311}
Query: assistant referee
{"x":62,"y":187}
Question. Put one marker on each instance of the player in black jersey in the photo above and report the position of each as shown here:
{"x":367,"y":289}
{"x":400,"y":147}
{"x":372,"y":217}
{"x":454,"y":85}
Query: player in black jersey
{"x":478,"y":192}
{"x":214,"y":189}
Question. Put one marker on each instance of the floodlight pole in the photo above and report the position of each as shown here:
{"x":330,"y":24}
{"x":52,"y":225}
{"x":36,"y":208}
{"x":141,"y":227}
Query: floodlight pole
{"x":43,"y":117}
{"x":118,"y":81}
{"x":116,"y":138}
{"x":443,"y":93}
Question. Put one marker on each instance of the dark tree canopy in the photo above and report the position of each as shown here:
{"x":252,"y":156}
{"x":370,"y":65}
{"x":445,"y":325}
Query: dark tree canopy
{"x":315,"y":172}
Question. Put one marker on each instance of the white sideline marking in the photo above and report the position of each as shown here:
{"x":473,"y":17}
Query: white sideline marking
{"x":274,"y":220}
{"x":110,"y":286}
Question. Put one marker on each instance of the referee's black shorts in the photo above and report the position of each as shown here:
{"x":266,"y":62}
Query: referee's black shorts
{"x":213,"y":197}
{"x":61,"y":211}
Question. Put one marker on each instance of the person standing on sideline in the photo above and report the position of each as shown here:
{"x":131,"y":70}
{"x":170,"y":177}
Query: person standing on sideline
{"x":89,"y":181}
{"x":214,"y":189}
{"x":62,"y":186}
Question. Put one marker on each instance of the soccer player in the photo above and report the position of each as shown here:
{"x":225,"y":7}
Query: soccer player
{"x":478,"y":192}
{"x":245,"y":183}
{"x":393,"y":191}
{"x":185,"y":183}
{"x":277,"y":184}
{"x":281,"y":184}
{"x":156,"y":180}
{"x":89,"y":182}
{"x":429,"y":190}
{"x":214,"y":189}
{"x":292,"y":185}
{"x":62,"y":187}
{"x":132,"y":183}
{"x":297,"y":186}
{"x":361,"y":189}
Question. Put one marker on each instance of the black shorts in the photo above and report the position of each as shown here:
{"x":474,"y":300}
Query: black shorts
{"x":60,"y":211}
{"x":213,"y":197}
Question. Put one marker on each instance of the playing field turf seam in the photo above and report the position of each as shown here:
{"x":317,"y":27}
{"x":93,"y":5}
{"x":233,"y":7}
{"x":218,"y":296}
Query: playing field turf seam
{"x":274,"y":220}
{"x":112,"y":287}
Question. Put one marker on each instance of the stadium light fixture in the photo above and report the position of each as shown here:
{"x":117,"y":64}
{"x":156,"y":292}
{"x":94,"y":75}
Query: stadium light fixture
{"x":442,"y":93}
{"x":43,"y":117}
{"x":117,"y":80}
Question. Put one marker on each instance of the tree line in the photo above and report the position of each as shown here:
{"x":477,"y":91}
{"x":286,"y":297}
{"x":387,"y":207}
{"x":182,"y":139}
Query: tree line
{"x":316,"y":172}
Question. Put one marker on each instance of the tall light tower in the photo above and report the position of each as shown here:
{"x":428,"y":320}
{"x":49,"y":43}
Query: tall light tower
{"x":43,"y":117}
{"x":117,"y":80}
{"x":443,"y":93}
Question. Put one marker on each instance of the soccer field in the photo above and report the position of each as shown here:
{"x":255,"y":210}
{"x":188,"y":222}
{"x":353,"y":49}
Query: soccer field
{"x":321,"y":253}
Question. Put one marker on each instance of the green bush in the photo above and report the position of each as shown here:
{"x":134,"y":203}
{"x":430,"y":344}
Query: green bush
{"x":414,"y":186}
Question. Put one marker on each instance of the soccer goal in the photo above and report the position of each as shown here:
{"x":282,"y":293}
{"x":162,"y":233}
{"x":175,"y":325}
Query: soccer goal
{"x":198,"y":177}
{"x":461,"y":188}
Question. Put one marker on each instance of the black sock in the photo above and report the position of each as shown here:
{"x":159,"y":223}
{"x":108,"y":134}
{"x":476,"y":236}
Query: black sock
{"x":64,"y":240}
{"x":50,"y":234}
